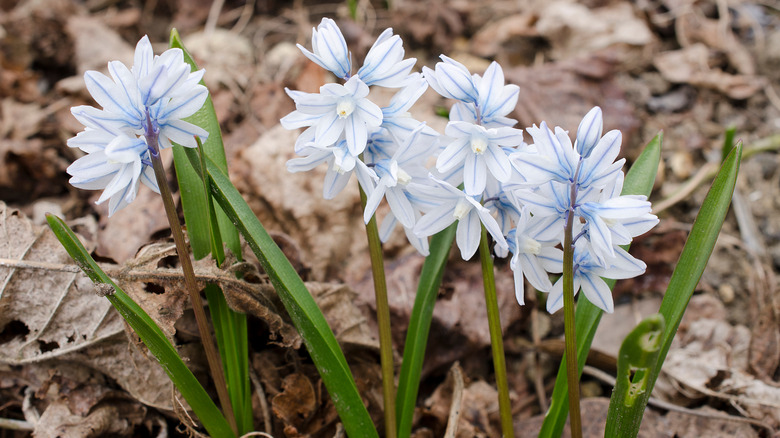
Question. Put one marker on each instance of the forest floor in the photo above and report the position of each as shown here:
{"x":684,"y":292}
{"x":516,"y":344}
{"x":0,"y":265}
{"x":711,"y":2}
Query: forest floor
{"x":689,"y":68}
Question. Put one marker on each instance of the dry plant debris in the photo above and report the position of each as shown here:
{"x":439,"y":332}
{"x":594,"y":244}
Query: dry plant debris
{"x":68,"y":365}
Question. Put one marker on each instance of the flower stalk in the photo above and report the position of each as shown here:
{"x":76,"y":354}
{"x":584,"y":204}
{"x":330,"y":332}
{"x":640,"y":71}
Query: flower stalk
{"x":212,"y":356}
{"x":572,"y":372}
{"x":496,"y":336}
{"x":383,"y":321}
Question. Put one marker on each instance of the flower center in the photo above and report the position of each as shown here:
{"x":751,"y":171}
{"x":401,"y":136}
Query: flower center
{"x":403,"y":177}
{"x":461,"y":209}
{"x":338,"y":169}
{"x":526,"y":245}
{"x":345,"y":107}
{"x":610,"y":222}
{"x":478,"y":144}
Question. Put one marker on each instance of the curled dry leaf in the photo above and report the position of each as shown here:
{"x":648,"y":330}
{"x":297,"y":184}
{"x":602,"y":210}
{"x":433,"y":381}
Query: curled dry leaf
{"x":296,"y":403}
{"x":690,"y":65}
{"x":562,"y":92}
{"x":114,"y":419}
{"x":573,"y":29}
{"x":694,"y":27}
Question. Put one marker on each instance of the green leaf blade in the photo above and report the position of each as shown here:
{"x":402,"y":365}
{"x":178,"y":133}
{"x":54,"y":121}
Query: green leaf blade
{"x":303,"y":310}
{"x":697,"y":250}
{"x":194,"y":201}
{"x":638,"y":355}
{"x":165,"y":353}
{"x":690,"y":267}
{"x":419,"y":327}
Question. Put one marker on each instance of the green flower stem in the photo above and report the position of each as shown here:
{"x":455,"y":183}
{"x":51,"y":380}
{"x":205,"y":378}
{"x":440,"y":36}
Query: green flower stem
{"x":383,"y":320}
{"x":572,"y":374}
{"x":230,"y":327}
{"x":496,"y":336}
{"x":212,"y":356}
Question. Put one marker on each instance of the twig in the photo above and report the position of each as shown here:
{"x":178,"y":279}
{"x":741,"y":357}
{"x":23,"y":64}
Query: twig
{"x":709,"y":170}
{"x":705,"y":173}
{"x":457,"y":398}
{"x":243,"y":19}
{"x":267,"y":425}
{"x":538,"y":380}
{"x":32,"y":264}
{"x":11,"y":424}
{"x":31,"y":414}
{"x":751,"y":236}
{"x":211,"y":21}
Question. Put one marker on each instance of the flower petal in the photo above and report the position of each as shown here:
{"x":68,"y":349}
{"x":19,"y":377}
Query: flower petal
{"x":468,"y":234}
{"x":589,"y":132}
{"x":474,"y":174}
{"x":597,"y":292}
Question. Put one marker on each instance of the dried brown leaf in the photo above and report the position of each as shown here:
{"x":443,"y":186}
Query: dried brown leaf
{"x":459,"y":327}
{"x":49,"y":312}
{"x":495,"y":37}
{"x":84,"y":31}
{"x":573,"y":29}
{"x":561,"y":93}
{"x":711,"y":361}
{"x":690,"y":65}
{"x":297,"y":401}
{"x":694,"y":27}
{"x":114,"y":419}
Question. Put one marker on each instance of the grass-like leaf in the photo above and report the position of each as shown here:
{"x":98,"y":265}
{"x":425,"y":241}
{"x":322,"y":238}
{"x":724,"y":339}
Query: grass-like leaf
{"x":194,"y":201}
{"x":151,"y":335}
{"x":207,"y":232}
{"x":230,"y":328}
{"x":639,"y":181}
{"x":419,"y":326}
{"x":303,"y":310}
{"x":695,"y":254}
{"x":638,"y":355}
{"x":690,"y":267}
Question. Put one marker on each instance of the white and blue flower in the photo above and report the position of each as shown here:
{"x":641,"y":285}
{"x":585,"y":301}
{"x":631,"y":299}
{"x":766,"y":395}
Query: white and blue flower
{"x":145,"y":102}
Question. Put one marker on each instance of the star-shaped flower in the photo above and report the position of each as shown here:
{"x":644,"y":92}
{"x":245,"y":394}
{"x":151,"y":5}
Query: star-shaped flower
{"x":336,"y":111}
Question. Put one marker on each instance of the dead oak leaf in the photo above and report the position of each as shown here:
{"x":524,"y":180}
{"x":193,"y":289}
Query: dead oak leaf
{"x":297,"y":401}
{"x":690,"y":65}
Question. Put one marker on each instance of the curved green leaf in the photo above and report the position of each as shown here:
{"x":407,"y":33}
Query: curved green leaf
{"x":148,"y":331}
{"x":419,"y":327}
{"x":639,"y":181}
{"x":696,"y":252}
{"x":303,"y":310}
{"x":638,"y":355}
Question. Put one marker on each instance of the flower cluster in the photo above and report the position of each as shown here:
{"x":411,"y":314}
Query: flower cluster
{"x":524,"y":195}
{"x":143,"y":108}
